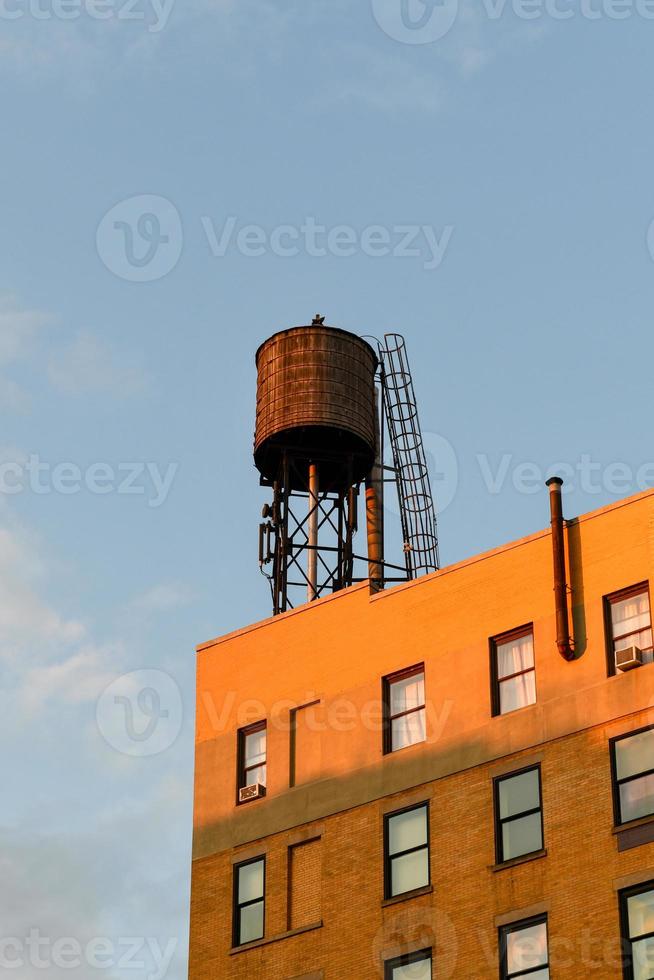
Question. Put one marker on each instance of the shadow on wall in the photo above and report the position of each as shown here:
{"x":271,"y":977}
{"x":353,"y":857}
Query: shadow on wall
{"x":579,"y":636}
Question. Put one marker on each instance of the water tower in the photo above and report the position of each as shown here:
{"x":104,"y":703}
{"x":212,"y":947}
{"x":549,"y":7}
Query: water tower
{"x":322,"y":396}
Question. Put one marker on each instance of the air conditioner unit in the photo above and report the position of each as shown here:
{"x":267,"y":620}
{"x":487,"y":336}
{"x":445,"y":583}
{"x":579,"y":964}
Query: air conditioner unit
{"x":628,"y":658}
{"x":253,"y":792}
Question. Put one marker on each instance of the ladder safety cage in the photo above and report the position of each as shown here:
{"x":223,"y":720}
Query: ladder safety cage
{"x":416,"y":504}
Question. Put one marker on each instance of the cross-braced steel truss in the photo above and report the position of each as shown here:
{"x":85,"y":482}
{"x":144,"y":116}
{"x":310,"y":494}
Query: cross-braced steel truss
{"x":310,"y":526}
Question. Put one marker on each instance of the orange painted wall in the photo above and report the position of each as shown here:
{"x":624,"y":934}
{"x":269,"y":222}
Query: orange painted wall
{"x":336,"y":651}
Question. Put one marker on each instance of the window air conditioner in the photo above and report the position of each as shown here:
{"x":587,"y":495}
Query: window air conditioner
{"x":629,"y":658}
{"x":253,"y":792}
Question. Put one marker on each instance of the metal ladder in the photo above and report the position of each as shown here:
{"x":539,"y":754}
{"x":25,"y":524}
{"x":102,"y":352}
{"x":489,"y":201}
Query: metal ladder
{"x":417,"y":513}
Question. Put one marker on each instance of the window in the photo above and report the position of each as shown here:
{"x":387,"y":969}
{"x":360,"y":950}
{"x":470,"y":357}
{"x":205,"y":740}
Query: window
{"x":632,"y":759}
{"x":406,"y":850}
{"x":524,"y":952}
{"x":415,"y":966}
{"x":518,"y":814}
{"x":513,"y":671}
{"x":628,"y":622}
{"x":404,"y":708}
{"x":252,"y":755}
{"x":249,"y":901}
{"x":637,"y":915}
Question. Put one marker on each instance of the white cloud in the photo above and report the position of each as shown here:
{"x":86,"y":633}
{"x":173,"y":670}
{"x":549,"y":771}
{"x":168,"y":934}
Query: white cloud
{"x":163,"y":597}
{"x":19,"y":328}
{"x":20,"y":333}
{"x":88,"y":364}
{"x":28,"y":624}
{"x":13,"y":398}
{"x":390,"y":84}
{"x":123,"y":875}
{"x":49,"y":659}
{"x":79,"y":679}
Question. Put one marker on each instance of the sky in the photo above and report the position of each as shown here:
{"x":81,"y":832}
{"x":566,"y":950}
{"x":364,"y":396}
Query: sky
{"x":181,"y":178}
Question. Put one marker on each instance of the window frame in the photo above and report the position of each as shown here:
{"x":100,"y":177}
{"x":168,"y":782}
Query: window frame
{"x":237,"y":907}
{"x":499,"y":821}
{"x":627,"y":942}
{"x":499,"y":640}
{"x":388,"y":858}
{"x":607,"y":602}
{"x":406,"y":960}
{"x":387,"y":718}
{"x":506,"y":931}
{"x":616,"y":784}
{"x":241,"y":770}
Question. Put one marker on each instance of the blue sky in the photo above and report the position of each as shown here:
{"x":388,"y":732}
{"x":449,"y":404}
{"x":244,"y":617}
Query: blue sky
{"x":520,"y":146}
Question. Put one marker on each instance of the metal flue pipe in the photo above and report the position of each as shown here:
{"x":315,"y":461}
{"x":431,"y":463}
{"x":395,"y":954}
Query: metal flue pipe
{"x":563,"y":639}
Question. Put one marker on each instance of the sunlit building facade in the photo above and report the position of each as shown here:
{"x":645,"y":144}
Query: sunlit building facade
{"x":417,"y":785}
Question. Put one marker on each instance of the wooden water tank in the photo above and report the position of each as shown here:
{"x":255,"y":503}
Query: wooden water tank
{"x":315,"y":400}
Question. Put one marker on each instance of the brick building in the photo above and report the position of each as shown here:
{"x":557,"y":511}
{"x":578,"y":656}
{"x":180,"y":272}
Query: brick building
{"x":445,"y":795}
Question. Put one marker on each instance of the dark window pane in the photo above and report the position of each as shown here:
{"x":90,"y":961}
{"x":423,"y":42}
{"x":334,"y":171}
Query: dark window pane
{"x":409,"y":871}
{"x":515,"y":655}
{"x":257,"y":775}
{"x":630,"y":615}
{"x":527,"y":948}
{"x":255,"y":748}
{"x":635,"y":754}
{"x":641,"y":914}
{"x":251,"y":923}
{"x":407,"y":693}
{"x":407,"y":830}
{"x":642,"y":640}
{"x":637,"y":798}
{"x":408,"y":730}
{"x":250,"y":882}
{"x":643,"y":956}
{"x":518,"y":692}
{"x":522,"y":836}
{"x":418,"y":970}
{"x":519,"y":793}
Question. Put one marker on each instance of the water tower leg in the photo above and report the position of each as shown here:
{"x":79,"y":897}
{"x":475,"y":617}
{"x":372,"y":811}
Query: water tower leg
{"x":312,"y":562}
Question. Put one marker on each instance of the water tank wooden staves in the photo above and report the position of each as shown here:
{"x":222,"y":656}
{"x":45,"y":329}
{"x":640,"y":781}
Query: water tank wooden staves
{"x":316,"y":398}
